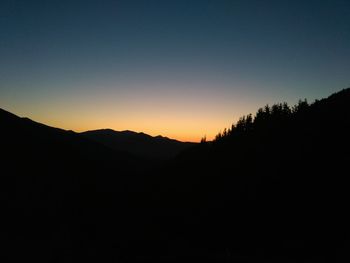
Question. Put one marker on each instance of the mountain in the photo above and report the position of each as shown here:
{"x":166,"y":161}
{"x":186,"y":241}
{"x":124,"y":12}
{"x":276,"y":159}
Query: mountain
{"x":53,"y":187}
{"x":29,"y":141}
{"x":274,"y":187}
{"x":140,"y":144}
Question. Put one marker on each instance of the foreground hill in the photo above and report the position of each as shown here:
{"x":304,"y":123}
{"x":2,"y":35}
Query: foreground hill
{"x":51,"y":185}
{"x":140,"y":144}
{"x":272,"y":188}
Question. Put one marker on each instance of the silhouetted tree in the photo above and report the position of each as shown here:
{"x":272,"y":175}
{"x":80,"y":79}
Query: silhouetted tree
{"x":265,"y":117}
{"x":301,"y":106}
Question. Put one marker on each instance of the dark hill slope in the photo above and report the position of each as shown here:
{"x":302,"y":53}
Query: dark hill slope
{"x":272,"y":189}
{"x":28,"y":139}
{"x":140,"y":144}
{"x":30,"y":146}
{"x":54,"y":185}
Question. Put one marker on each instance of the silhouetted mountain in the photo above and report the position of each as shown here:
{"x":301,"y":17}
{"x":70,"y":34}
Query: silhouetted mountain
{"x":51,"y":182}
{"x":36,"y":139}
{"x":140,"y":144}
{"x":272,"y":188}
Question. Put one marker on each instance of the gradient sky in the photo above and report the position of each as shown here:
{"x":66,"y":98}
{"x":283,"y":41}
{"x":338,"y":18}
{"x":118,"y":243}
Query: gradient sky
{"x":182,"y":69}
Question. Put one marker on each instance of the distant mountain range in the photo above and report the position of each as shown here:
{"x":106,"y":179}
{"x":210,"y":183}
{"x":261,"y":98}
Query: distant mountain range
{"x":27,"y":139}
{"x":37,"y":139}
{"x":140,"y":144}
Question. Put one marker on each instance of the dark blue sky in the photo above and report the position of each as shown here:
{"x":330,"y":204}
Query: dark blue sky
{"x":178,"y":68}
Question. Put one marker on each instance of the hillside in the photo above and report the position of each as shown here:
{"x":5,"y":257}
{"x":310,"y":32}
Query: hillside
{"x":272,"y":188}
{"x":52,"y":185}
{"x":28,"y":139}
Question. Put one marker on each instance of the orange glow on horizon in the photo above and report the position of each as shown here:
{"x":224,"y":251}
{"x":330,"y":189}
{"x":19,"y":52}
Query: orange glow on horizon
{"x":184,"y":116}
{"x":179,"y":130}
{"x":190,"y":129}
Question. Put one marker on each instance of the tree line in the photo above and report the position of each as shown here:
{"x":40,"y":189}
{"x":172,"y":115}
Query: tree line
{"x":265,"y":117}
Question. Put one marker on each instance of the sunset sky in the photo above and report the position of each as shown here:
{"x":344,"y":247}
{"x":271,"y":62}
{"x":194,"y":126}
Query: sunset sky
{"x":182,"y":69}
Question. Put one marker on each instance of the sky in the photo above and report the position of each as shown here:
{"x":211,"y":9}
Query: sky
{"x":181,"y":69}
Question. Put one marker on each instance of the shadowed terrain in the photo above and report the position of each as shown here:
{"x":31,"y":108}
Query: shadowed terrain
{"x":271,"y":188}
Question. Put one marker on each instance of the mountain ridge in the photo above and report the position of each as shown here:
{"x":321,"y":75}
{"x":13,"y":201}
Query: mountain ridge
{"x":139,"y":143}
{"x":110,"y":130}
